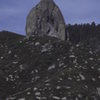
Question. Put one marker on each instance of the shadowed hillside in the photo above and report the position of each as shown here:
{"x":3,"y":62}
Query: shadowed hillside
{"x":46,"y":68}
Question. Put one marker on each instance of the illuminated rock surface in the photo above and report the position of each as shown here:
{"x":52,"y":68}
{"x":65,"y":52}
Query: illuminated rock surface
{"x":46,"y":19}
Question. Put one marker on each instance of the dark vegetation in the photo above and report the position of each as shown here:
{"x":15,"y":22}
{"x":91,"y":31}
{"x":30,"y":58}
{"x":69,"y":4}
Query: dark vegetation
{"x":83,"y":32}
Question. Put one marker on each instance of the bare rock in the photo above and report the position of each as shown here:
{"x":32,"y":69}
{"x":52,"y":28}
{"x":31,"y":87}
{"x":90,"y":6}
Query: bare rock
{"x":46,"y":19}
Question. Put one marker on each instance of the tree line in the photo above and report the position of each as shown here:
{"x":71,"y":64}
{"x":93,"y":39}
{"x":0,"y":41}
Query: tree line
{"x":82,"y":32}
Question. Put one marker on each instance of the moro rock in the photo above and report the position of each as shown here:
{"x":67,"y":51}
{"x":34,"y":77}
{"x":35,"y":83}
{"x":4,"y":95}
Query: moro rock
{"x":45,"y":19}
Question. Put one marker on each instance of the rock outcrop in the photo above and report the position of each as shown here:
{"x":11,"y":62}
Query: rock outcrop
{"x":46,"y":19}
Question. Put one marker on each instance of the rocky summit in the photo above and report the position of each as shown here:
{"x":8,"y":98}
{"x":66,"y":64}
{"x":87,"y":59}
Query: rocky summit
{"x":46,"y":19}
{"x":46,"y":68}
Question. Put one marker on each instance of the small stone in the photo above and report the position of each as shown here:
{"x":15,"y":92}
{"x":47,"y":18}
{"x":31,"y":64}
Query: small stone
{"x":35,"y":88}
{"x":15,"y":62}
{"x":91,"y":59}
{"x":15,"y":55}
{"x":37,"y":93}
{"x":81,"y":76}
{"x":93,"y":79}
{"x":90,"y":52}
{"x":7,"y":79}
{"x":98,"y":69}
{"x":9,"y":52}
{"x":22,"y":99}
{"x":79,"y":95}
{"x":77,"y":45}
{"x":21,"y":67}
{"x":70,"y":78}
{"x":36,"y":70}
{"x":98,"y":76}
{"x":28,"y":93}
{"x":64,"y":98}
{"x":38,"y":98}
{"x":51,"y":67}
{"x":85,"y":62}
{"x":20,"y":41}
{"x":98,"y":90}
{"x":72,"y":56}
{"x":92,"y":67}
{"x":56,"y":98}
{"x":37,"y":43}
{"x":1,"y":57}
{"x":68,"y":87}
{"x":58,"y":87}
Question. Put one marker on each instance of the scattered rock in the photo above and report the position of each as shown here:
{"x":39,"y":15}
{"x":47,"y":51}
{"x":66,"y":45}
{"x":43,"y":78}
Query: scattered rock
{"x":62,"y":71}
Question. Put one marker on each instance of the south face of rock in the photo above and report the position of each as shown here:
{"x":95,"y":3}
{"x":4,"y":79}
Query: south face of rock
{"x":45,"y":19}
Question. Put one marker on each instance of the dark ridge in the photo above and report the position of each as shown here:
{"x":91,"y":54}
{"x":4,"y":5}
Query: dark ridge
{"x":6,"y":35}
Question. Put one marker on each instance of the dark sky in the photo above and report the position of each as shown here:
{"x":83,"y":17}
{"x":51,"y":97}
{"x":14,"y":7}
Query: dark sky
{"x":13,"y":12}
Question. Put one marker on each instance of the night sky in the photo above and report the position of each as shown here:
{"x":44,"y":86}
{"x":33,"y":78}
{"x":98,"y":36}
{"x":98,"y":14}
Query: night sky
{"x":13,"y":12}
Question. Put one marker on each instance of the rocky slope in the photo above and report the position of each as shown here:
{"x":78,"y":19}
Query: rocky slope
{"x":45,"y":68}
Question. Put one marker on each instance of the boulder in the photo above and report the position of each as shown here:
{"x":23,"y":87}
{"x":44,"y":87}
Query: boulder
{"x":45,"y":19}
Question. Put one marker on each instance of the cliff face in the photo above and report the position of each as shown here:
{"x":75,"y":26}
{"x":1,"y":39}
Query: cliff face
{"x":45,"y":68}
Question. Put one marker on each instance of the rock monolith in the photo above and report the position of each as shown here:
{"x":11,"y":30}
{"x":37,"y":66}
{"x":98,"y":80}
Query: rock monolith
{"x":45,"y":19}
